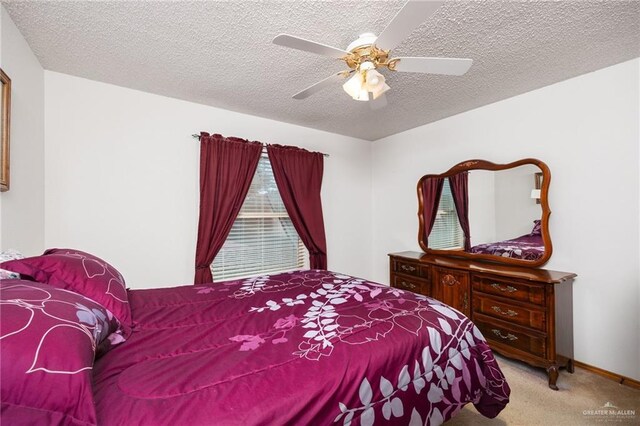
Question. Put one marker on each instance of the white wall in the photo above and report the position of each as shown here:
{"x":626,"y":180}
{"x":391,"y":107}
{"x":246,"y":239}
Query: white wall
{"x":515,"y":210}
{"x":22,"y":207}
{"x":122,"y":178}
{"x":482,"y":206}
{"x":586,"y":129}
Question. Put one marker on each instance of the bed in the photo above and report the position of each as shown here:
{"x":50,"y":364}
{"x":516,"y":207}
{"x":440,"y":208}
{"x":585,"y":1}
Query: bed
{"x":305,"y":347}
{"x":526,"y":247}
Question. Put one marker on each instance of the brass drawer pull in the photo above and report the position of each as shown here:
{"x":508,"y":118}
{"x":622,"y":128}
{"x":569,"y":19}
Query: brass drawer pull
{"x":409,"y":285}
{"x":502,"y":336}
{"x":508,"y":312}
{"x":508,"y":288}
{"x":407,"y":268}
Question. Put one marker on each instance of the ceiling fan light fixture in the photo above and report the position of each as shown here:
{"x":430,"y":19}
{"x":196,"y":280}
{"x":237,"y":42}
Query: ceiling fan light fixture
{"x":353,"y":86}
{"x":362,"y":96}
{"x":380,"y":91}
{"x":366,"y":83}
{"x":357,"y":90}
{"x":374,"y":80}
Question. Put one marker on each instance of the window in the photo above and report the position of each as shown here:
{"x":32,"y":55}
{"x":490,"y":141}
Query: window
{"x":446,"y":232}
{"x":262,"y":239}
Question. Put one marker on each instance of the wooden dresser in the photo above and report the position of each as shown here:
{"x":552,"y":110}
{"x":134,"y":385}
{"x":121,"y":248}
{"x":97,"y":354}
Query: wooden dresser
{"x":524,"y":313}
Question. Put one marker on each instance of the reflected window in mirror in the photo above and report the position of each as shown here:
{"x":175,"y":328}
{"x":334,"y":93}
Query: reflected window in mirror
{"x":446,"y":233}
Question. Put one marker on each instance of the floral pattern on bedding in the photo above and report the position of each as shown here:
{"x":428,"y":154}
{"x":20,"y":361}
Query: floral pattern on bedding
{"x":526,"y":247}
{"x":305,"y":347}
{"x":438,"y":368}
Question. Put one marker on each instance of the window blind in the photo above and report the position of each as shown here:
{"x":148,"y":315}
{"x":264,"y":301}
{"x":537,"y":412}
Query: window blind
{"x":446,"y":232}
{"x":262,"y":239}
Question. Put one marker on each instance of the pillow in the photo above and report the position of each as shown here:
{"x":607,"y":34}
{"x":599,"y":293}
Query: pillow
{"x":537,"y":228}
{"x":9,"y":255}
{"x":50,"y":338}
{"x":82,"y":273}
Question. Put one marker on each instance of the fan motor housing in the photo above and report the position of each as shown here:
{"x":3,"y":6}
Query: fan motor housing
{"x":364,"y":50}
{"x":366,"y":39}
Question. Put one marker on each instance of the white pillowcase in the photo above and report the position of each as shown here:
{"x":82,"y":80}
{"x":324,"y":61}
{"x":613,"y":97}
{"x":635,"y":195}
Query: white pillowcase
{"x":6,"y":255}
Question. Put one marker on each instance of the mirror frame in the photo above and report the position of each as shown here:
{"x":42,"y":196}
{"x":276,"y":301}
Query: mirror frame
{"x":487,"y":165}
{"x":5,"y":92}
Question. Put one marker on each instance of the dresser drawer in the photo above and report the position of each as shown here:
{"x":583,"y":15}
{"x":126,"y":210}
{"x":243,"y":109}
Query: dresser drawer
{"x":494,"y":307}
{"x":496,"y":331}
{"x":516,"y":290}
{"x":403,"y":283}
{"x":409,"y":268}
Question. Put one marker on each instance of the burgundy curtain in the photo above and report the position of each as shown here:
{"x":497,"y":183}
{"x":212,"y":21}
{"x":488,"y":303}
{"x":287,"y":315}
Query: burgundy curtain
{"x":227,"y":166}
{"x":459,"y":184}
{"x":431,"y":192}
{"x":298,"y":175}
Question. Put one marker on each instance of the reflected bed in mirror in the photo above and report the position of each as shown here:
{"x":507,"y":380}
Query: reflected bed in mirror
{"x":479,"y":209}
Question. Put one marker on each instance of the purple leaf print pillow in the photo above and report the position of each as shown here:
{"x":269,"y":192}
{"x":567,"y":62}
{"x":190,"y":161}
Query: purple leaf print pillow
{"x":48,"y":341}
{"x":537,"y":228}
{"x":82,"y":273}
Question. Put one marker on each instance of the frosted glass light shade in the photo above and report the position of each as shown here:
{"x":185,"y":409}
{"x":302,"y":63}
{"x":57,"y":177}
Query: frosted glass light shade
{"x":379,"y":91}
{"x":366,"y":80}
{"x":353,"y":86}
{"x":362,"y":96}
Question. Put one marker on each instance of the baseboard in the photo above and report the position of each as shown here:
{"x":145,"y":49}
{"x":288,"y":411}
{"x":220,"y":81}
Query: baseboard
{"x":609,"y":375}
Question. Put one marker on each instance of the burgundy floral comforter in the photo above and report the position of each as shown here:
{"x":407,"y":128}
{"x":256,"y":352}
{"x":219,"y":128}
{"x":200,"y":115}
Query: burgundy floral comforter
{"x":309,"y":347}
{"x":527,"y":247}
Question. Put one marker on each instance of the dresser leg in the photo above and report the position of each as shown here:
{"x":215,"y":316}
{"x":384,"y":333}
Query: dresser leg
{"x":552,"y":372}
{"x":570,"y":366}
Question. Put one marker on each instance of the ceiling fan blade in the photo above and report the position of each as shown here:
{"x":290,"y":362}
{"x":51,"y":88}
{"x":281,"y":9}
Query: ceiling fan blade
{"x":412,"y":14}
{"x":294,"y":42}
{"x":322,"y":84}
{"x":378,"y":103}
{"x":446,"y":66}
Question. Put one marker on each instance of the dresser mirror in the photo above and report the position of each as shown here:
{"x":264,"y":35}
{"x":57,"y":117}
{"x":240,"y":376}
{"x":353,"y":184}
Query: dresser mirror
{"x":481,"y":210}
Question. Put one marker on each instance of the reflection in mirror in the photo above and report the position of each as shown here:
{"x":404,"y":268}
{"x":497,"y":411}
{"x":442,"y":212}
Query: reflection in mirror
{"x":494,"y":213}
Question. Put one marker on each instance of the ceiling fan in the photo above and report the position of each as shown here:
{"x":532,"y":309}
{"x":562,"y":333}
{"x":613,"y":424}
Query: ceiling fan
{"x":369,"y":53}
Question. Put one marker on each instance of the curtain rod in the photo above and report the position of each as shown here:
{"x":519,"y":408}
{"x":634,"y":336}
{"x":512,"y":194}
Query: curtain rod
{"x":264,"y":144}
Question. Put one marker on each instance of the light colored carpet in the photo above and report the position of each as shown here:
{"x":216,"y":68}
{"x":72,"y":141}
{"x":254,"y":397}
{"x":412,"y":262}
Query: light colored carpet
{"x":533,"y":403}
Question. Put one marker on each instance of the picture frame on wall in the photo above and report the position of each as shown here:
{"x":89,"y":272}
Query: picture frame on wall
{"x":5,"y":121}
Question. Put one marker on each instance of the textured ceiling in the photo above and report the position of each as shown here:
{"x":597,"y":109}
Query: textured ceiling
{"x":220,"y":53}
